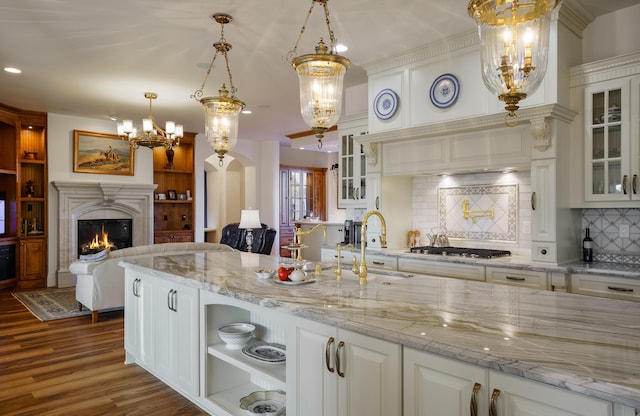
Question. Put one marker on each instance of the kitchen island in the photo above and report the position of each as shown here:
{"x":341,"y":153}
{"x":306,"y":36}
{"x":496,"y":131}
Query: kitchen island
{"x":587,"y":345}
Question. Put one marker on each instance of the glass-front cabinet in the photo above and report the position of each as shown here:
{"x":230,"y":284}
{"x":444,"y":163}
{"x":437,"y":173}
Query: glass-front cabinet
{"x":352,"y":190}
{"x":611,"y":162}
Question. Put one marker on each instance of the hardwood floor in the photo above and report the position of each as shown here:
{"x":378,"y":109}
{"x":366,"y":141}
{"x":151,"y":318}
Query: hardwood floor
{"x":73,"y":367}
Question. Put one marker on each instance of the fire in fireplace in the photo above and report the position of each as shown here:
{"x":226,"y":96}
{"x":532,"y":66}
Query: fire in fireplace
{"x":103,"y":234}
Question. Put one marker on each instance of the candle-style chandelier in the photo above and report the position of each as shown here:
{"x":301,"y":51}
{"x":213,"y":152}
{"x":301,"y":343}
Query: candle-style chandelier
{"x":151,"y":134}
{"x":321,"y":76}
{"x":514,"y":38}
{"x":222,"y":111}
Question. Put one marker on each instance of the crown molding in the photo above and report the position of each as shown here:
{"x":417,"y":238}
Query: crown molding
{"x":605,"y":69}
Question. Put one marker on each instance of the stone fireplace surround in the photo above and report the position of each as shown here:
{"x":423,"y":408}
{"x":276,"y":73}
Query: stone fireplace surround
{"x":99,"y":200}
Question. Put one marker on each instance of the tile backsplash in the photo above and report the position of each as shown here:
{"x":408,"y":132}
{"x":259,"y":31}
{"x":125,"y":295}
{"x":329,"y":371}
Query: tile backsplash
{"x":605,"y":229}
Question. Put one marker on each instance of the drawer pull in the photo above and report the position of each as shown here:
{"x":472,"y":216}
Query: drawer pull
{"x":493,"y":411}
{"x":327,"y":354}
{"x":517,"y":279}
{"x":620,"y":289}
{"x":341,"y":256}
{"x":474,"y":399}
{"x":378,"y":263}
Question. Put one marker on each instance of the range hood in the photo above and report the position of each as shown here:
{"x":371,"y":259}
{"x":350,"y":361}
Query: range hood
{"x":476,"y":144}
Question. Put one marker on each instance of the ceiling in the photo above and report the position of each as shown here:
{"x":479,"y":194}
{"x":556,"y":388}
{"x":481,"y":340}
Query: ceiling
{"x":95,"y":58}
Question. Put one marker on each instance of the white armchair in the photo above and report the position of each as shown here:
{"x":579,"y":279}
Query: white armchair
{"x":100,"y":285}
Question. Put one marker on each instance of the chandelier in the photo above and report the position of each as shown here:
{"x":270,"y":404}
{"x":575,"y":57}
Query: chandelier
{"x":151,"y":135}
{"x":221,"y":112}
{"x":321,"y":76}
{"x":514,"y":38}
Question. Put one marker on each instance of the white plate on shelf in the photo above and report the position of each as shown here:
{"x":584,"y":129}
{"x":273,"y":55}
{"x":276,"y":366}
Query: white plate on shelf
{"x":291,"y":282}
{"x":266,"y":352}
{"x":270,"y":403}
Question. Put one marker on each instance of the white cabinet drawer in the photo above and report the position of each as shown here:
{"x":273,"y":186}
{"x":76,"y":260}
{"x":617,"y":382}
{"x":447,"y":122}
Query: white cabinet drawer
{"x":605,"y":286}
{"x":380,"y":262}
{"x":444,"y":269}
{"x":521,"y":278}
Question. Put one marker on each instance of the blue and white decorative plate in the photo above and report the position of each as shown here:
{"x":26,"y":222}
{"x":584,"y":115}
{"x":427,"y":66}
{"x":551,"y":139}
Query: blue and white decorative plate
{"x":444,"y":91}
{"x":385,"y":104}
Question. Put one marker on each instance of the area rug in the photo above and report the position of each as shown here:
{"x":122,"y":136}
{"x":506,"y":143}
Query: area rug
{"x":50,"y":304}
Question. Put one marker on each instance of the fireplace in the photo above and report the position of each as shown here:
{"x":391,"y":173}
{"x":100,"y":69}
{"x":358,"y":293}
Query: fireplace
{"x":80,"y":201}
{"x":101,"y":234}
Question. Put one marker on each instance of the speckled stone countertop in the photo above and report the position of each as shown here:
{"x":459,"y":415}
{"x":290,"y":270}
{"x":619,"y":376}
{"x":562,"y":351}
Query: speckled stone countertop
{"x":631,"y":271}
{"x":585,"y":344}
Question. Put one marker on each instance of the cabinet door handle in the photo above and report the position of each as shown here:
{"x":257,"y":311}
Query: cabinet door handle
{"x":327,"y":354}
{"x":624,"y":184}
{"x":338,"y":365}
{"x":378,"y":202}
{"x":634,"y":184}
{"x":517,"y":279}
{"x":170,"y":300}
{"x":474,"y":399}
{"x":175,"y":301}
{"x":619,"y":289}
{"x":493,"y":411}
{"x":136,"y":293}
{"x":533,"y":201}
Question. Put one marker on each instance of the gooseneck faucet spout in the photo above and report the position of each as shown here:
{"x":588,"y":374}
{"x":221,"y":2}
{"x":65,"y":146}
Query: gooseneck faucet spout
{"x":299,"y":233}
{"x":362,"y":270}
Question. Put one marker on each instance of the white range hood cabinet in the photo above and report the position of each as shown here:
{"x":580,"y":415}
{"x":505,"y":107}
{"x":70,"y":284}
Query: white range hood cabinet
{"x":462,"y":146}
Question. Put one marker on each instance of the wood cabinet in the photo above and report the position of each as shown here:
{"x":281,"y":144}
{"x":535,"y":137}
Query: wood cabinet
{"x":173,"y":217}
{"x":24,"y":188}
{"x":352,"y":179}
{"x":339,"y":372}
{"x":302,"y":195}
{"x":436,"y":386}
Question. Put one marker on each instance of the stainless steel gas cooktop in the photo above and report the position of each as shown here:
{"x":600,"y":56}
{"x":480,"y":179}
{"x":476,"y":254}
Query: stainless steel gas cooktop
{"x":481,"y":253}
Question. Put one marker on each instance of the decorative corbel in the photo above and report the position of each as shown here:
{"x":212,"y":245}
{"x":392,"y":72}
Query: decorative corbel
{"x":371,"y":152}
{"x":541,"y":132}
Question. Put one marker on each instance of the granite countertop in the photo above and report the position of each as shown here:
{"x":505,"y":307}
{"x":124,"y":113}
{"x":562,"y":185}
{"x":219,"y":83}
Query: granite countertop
{"x":625,"y":270}
{"x":585,"y":344}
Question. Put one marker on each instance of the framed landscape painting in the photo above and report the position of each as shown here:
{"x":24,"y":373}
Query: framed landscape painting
{"x":101,"y":153}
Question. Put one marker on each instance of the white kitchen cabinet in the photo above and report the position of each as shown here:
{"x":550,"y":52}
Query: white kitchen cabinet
{"x":342,"y":373}
{"x":139,"y":328}
{"x":315,"y":240}
{"x":543,"y":210}
{"x":177,"y":315}
{"x":605,"y":286}
{"x":611,"y":169}
{"x":161,"y":330}
{"x":444,"y":269}
{"x":434,"y":386}
{"x":392,"y":197}
{"x":514,"y":277}
{"x":352,"y":179}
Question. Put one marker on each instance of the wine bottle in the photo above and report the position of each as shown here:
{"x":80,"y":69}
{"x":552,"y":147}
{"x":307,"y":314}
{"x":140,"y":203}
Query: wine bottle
{"x":587,"y":247}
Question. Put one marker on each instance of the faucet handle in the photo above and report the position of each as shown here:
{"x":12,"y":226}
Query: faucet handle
{"x":355,"y":268}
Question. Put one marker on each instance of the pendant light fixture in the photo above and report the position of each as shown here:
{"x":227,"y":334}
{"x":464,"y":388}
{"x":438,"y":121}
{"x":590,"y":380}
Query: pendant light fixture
{"x":321,"y":76}
{"x":514,"y":38}
{"x":221,"y":112}
{"x":151,"y":135}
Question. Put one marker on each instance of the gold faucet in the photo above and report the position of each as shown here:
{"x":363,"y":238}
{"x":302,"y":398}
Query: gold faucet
{"x":473,"y":214}
{"x":300,"y":233}
{"x":362,"y":270}
{"x":338,"y":270}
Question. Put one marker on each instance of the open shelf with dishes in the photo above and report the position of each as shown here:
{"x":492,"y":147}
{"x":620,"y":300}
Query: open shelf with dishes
{"x":229,"y":373}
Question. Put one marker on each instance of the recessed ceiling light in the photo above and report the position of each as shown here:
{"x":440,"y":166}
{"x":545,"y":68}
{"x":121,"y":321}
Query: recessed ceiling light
{"x":113,"y":118}
{"x":13,"y":70}
{"x":341,"y":48}
{"x":246,"y":111}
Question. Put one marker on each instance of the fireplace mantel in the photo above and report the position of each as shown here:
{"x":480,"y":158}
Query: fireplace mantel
{"x":96,"y":200}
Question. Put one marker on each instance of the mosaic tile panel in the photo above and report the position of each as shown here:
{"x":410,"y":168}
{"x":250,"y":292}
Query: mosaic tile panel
{"x":604,"y":226}
{"x":502,"y":199}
